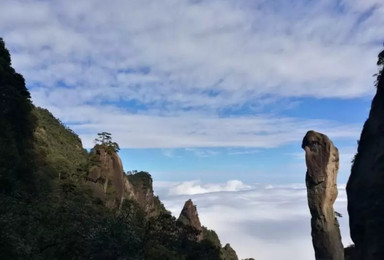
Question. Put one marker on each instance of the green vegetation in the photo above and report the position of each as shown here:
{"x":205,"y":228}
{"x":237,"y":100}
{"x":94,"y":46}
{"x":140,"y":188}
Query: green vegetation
{"x":227,"y":253}
{"x":61,"y":149}
{"x":104,"y":139}
{"x":141,"y":179}
{"x":169,"y":239}
{"x":211,"y":236}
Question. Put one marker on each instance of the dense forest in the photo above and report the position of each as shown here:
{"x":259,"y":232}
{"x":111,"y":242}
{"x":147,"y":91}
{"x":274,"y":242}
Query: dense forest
{"x":59,"y":201}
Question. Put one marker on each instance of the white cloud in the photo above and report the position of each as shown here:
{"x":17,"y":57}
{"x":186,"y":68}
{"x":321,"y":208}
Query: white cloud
{"x":192,"y":46}
{"x":196,"y":187}
{"x":263,"y":221}
{"x":242,"y":50}
{"x":170,"y":153}
{"x":202,"y":152}
{"x":192,"y":130}
{"x":87,"y":60}
{"x":242,"y":151}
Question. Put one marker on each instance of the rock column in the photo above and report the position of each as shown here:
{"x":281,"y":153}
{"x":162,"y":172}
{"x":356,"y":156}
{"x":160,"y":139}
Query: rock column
{"x":189,"y":216}
{"x":322,"y":159}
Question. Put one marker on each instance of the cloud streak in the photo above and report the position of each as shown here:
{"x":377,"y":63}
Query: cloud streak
{"x":192,"y":130}
{"x":195,"y":187}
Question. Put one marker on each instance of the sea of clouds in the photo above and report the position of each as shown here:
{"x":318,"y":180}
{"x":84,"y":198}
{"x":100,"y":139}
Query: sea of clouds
{"x":263,"y":221}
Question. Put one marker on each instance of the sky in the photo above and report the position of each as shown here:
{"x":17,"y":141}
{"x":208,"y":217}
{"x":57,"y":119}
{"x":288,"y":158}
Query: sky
{"x":207,"y":93}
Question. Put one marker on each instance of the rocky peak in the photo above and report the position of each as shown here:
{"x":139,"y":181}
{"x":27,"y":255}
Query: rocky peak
{"x":365,"y":187}
{"x":322,"y":159}
{"x":189,"y":216}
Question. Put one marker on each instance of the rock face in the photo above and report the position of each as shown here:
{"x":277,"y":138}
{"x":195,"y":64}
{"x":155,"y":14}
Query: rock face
{"x":189,"y":216}
{"x":143,"y":193}
{"x":109,"y":183}
{"x":322,"y":159}
{"x":228,"y":253}
{"x":365,"y":188}
{"x":107,"y":179}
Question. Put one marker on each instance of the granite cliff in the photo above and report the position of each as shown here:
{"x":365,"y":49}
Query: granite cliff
{"x":365,"y":187}
{"x":106,"y":177}
{"x":143,"y":193}
{"x":109,"y":183}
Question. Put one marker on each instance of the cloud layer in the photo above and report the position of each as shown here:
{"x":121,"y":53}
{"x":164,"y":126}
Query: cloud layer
{"x":180,"y":69}
{"x":261,"y":221}
{"x":197,"y":130}
{"x":195,"y":187}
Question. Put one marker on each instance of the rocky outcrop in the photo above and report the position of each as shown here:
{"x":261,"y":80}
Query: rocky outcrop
{"x":109,"y":183}
{"x":227,"y":253}
{"x":322,"y":159}
{"x":189,"y":216}
{"x":365,"y":188}
{"x":143,"y":193}
{"x":106,"y":178}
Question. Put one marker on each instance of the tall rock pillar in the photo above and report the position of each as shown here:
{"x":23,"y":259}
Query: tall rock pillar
{"x":189,"y":216}
{"x":322,"y":159}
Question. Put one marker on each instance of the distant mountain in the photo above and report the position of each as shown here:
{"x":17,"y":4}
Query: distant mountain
{"x":60,"y":202}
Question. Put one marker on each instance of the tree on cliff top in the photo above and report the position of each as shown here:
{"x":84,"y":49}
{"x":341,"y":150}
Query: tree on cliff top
{"x":104,"y":139}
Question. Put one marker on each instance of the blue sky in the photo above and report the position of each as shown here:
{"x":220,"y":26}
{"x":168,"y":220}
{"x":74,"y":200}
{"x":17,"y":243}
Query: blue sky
{"x":281,"y":164}
{"x":212,"y":97}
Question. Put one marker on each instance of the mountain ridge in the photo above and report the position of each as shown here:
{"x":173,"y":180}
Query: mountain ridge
{"x":78,"y":205}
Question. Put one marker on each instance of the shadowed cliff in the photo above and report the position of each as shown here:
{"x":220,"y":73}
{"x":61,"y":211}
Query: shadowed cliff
{"x":365,"y":188}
